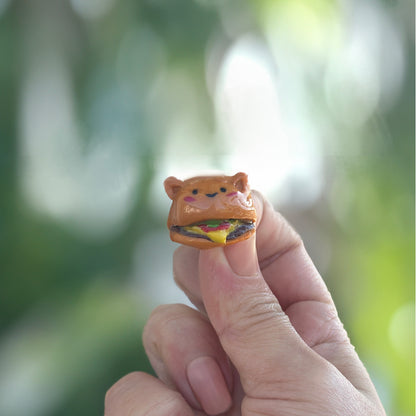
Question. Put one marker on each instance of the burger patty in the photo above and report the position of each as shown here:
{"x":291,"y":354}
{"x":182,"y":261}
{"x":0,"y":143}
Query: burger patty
{"x":241,"y":228}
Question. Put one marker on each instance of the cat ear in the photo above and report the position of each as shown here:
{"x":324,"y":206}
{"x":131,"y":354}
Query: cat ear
{"x":172,"y":186}
{"x":240,"y":181}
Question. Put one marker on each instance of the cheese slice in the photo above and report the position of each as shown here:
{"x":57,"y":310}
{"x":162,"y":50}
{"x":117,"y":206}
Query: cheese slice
{"x":218,"y":236}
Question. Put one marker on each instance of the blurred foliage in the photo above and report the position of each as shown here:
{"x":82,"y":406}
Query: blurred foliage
{"x":131,"y":81}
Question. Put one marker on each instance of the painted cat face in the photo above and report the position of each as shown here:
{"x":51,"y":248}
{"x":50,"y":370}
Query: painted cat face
{"x":218,"y":204}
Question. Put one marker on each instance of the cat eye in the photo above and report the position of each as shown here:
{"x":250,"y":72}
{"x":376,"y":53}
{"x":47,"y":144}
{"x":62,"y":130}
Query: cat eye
{"x":195,"y":191}
{"x":223,"y":190}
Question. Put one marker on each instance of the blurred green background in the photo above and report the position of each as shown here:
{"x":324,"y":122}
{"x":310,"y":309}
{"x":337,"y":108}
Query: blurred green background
{"x":100,"y":100}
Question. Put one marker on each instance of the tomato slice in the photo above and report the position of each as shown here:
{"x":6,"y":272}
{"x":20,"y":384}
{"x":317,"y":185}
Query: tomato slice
{"x":206,"y":229}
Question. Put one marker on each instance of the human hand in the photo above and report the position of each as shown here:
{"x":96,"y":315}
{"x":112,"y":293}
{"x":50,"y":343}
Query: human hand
{"x":266,"y":338}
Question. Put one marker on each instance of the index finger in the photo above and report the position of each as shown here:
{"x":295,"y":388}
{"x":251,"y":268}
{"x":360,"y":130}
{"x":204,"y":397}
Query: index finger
{"x":284,"y":261}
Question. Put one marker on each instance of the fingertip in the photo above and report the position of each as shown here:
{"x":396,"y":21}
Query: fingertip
{"x":185,"y":254}
{"x":212,"y":259}
{"x":185,"y":273}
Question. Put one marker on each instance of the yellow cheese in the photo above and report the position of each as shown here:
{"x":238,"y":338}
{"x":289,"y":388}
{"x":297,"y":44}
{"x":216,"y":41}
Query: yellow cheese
{"x":219,"y":236}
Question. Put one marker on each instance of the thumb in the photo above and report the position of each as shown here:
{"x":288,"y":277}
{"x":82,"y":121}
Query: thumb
{"x":253,"y":329}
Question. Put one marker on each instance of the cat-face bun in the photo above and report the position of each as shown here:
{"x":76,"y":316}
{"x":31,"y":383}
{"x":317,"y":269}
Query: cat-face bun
{"x":210,"y":211}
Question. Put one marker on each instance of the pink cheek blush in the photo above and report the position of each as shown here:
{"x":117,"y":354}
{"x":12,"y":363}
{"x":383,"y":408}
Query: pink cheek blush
{"x":189,"y":199}
{"x":232,"y":194}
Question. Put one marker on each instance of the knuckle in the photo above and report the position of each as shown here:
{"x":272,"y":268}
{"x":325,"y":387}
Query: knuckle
{"x":159,"y":317}
{"x":124,"y":398}
{"x":116,"y":395}
{"x":253,"y":316}
{"x":163,"y":313}
{"x":171,"y":404}
{"x":164,"y":323}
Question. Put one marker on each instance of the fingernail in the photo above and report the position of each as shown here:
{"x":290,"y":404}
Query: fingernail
{"x":209,"y":386}
{"x":242,"y":257}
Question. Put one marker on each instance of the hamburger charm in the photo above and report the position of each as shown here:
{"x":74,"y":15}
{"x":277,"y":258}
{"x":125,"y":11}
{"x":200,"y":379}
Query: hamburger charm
{"x":210,"y":211}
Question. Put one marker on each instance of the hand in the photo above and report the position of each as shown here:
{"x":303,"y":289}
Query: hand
{"x":266,"y":338}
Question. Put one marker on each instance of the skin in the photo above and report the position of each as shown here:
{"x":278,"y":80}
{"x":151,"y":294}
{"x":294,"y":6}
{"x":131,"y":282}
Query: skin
{"x":265,"y":339}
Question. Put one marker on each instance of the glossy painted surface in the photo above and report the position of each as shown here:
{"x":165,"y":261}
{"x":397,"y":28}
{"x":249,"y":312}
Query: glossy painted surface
{"x":205,"y":198}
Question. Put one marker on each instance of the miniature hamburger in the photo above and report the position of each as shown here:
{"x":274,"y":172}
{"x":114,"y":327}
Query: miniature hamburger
{"x":210,"y":211}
